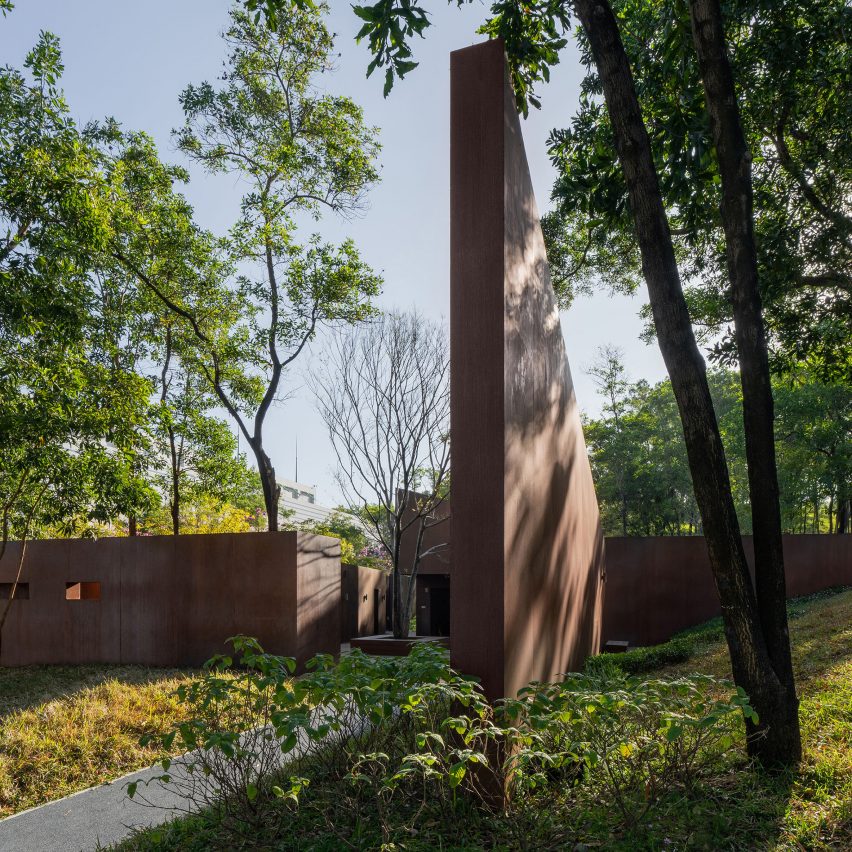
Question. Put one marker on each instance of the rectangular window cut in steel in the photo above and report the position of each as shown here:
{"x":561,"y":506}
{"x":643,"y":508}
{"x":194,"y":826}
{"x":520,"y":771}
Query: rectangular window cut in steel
{"x":83,"y":591}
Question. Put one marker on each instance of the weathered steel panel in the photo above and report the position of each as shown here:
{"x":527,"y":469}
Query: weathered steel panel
{"x":527,"y":546}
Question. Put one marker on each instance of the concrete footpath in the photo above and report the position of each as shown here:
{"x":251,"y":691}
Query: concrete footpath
{"x":102,"y":816}
{"x":92,"y":819}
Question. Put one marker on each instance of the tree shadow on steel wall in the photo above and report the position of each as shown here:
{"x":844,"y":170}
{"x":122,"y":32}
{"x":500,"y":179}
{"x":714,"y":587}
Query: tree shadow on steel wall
{"x":557,"y":531}
{"x":568,"y":632}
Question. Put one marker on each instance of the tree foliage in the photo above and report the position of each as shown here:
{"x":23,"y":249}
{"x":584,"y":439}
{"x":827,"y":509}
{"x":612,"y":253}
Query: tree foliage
{"x":639,"y":458}
{"x":792,"y":63}
{"x":124,"y":325}
{"x":299,"y":151}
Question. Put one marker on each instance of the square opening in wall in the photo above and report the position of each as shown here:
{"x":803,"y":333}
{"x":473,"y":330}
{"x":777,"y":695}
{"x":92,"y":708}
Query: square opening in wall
{"x":22,"y":593}
{"x":83,"y":591}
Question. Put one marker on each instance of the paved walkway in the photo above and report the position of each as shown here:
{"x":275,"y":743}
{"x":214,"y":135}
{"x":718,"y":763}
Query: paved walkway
{"x":102,"y":816}
{"x":92,"y":819}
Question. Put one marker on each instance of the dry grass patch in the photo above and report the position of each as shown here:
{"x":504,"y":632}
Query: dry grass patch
{"x":65,"y":728}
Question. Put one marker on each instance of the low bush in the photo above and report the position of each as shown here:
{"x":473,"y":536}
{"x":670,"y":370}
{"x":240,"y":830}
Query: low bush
{"x":680,"y":648}
{"x":411,"y":740}
{"x":253,"y":734}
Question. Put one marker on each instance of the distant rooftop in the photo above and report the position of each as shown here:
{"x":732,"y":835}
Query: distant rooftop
{"x":300,"y":499}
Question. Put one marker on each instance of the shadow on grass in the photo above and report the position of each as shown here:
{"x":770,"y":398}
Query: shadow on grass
{"x":24,"y":687}
{"x":732,"y":806}
{"x":739,"y":811}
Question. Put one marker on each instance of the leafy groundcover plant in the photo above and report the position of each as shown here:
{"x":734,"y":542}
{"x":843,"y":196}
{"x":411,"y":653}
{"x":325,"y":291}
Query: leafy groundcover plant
{"x":374,"y":751}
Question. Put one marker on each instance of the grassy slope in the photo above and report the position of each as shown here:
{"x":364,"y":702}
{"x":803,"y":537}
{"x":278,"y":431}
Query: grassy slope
{"x":743,"y":808}
{"x":65,"y":728}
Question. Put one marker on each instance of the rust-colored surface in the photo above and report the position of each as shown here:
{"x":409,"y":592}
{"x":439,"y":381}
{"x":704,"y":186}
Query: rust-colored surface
{"x":173,"y":600}
{"x":384,"y":645}
{"x":363,"y":601}
{"x":435,"y":544}
{"x":527,"y":546}
{"x":657,"y":587}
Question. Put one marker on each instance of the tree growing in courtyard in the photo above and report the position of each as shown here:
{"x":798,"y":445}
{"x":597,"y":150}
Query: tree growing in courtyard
{"x":384,"y":395}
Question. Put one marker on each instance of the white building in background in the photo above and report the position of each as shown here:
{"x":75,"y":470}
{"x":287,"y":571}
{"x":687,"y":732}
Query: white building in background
{"x":301,"y":500}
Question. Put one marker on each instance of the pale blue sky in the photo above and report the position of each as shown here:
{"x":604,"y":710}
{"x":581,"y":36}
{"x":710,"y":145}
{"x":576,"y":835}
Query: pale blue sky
{"x":131,"y":60}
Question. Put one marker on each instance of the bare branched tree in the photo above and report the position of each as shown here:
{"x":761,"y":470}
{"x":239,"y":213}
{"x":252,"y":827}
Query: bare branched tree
{"x":383,"y":392}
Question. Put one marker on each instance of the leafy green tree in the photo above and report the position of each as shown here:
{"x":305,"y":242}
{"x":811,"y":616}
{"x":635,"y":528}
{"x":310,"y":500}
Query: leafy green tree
{"x":351,"y":531}
{"x":610,"y":377}
{"x":638,"y":456}
{"x":67,"y":438}
{"x":68,"y":412}
{"x":815,"y":453}
{"x":253,"y":301}
{"x":814,"y":436}
{"x":792,"y":60}
{"x":196,"y":451}
{"x":50,"y":202}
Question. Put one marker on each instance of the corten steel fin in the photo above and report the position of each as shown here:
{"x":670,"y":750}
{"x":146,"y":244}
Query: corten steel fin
{"x":528,"y":560}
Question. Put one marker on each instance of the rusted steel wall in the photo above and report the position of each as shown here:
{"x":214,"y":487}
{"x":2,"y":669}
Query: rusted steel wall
{"x":659,"y":586}
{"x":526,"y":537}
{"x":363,"y":601}
{"x":435,"y":543}
{"x":173,"y":600}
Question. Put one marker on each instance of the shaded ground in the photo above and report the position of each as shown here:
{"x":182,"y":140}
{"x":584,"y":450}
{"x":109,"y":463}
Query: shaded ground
{"x":735,"y":807}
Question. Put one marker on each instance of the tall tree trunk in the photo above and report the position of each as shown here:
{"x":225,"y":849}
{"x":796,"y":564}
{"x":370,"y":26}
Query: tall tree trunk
{"x":750,"y":661}
{"x":174,"y":503}
{"x":843,"y":512}
{"x":131,"y":524}
{"x":396,"y":618}
{"x":737,"y":209}
{"x":271,"y":489}
{"x":398,"y":629}
{"x":13,"y":591}
{"x":165,"y":381}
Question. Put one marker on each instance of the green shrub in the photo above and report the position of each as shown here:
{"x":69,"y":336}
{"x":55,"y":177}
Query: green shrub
{"x":632,"y":739}
{"x":396,"y":733}
{"x":253,"y":733}
{"x":680,"y":648}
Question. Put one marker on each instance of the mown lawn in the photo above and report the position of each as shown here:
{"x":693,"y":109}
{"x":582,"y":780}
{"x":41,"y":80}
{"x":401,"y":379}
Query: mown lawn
{"x":65,"y":728}
{"x":736,"y":806}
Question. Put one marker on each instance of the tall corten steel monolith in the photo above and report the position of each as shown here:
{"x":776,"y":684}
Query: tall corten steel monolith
{"x":528,"y":562}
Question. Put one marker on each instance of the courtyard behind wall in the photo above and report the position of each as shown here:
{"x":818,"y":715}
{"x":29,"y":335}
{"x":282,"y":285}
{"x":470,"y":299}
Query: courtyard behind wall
{"x":171,"y":600}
